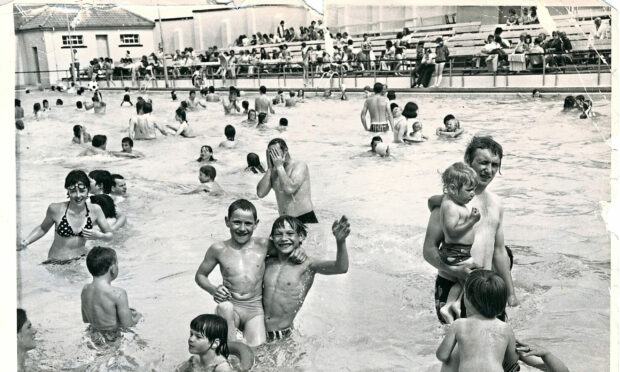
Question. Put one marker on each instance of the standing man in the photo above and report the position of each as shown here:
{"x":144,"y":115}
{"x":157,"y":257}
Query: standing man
{"x":380,"y":114}
{"x":262,"y":103}
{"x":488,"y":252}
{"x":290,"y":180}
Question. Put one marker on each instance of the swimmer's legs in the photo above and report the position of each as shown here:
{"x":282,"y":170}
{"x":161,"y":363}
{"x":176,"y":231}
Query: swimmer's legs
{"x":254,"y":331}
{"x":227,"y":311}
{"x":453,"y":302}
{"x":453,"y":363}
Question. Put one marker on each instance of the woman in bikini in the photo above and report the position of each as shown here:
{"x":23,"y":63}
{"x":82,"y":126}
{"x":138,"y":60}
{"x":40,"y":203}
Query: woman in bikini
{"x":74,"y":221}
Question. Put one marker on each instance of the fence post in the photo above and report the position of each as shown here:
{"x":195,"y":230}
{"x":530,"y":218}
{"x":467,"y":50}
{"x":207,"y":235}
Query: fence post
{"x":284,"y":68}
{"x":122,"y":79}
{"x":544,"y":63}
{"x":451,"y":59}
{"x":598,"y":77}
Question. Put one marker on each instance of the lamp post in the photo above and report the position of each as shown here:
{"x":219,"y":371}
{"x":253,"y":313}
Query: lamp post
{"x":73,"y":75}
{"x":161,"y":35}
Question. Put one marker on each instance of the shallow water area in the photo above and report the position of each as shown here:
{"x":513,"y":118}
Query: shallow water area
{"x":378,"y":316}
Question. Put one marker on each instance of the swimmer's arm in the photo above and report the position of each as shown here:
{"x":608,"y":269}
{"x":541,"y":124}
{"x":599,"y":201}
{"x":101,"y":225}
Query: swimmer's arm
{"x":181,"y":128}
{"x":132,"y":129}
{"x":264,"y":185}
{"x":84,"y":317}
{"x":363,"y":115}
{"x":271,"y":108}
{"x":197,"y":190}
{"x":121,"y":220}
{"x":510,"y":356}
{"x":104,"y":226}
{"x":501,"y":261}
{"x":447,"y":345}
{"x":450,"y":217}
{"x":122,"y":308}
{"x":389,"y":116}
{"x":435,"y":202}
{"x":40,"y":230}
{"x":161,"y":129}
{"x":205,"y":268}
{"x":291,"y":184}
{"x":340,"y":266}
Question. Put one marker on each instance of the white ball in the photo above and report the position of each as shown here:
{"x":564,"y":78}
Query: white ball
{"x":92,"y":85}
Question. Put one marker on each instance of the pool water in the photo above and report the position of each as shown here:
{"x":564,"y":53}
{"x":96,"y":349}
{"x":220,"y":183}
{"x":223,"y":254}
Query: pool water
{"x":380,"y":315}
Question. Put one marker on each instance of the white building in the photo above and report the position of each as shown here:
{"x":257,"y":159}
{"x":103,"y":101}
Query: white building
{"x":46,"y":35}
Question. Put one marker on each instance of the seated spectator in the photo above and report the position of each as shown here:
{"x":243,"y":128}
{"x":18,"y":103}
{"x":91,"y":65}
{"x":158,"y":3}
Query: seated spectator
{"x":525,"y":17}
{"x":599,"y":30}
{"x":533,"y":16}
{"x":536,"y":55}
{"x":524,"y":44}
{"x":427,"y":67}
{"x":512,"y":20}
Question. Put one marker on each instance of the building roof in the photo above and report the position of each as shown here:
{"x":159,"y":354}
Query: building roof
{"x":56,"y":16}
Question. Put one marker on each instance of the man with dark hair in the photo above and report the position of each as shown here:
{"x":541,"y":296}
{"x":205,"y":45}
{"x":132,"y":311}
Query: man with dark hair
{"x":262,"y":103}
{"x":290,"y":180}
{"x":102,"y":181}
{"x":98,"y":145}
{"x":229,"y":132}
{"x":120,"y":185}
{"x":484,"y":155}
{"x":380,"y":114}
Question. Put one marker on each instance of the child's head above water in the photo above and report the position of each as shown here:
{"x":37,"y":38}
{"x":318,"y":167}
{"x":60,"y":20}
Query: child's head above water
{"x":230,"y":132}
{"x":59,"y":102}
{"x":536,"y":93}
{"x":36,"y":107}
{"x":208,"y":331}
{"x":486,"y":292}
{"x":451,"y":123}
{"x":374,"y":141}
{"x":245,"y":105}
{"x":46,"y":104}
{"x":283,"y":122}
{"x":100,"y":260}
{"x":252,"y":115}
{"x":459,"y":182}
{"x":207,"y":174}
{"x":78,"y":105}
{"x":397,"y":112}
{"x":262,"y":117}
{"x":127,"y":144}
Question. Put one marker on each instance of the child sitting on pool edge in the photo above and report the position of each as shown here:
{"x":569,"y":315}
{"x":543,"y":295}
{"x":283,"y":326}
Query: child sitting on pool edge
{"x":104,"y":307}
{"x":452,"y":127}
{"x":485,"y":342}
{"x":457,"y":222}
{"x":206,"y":176}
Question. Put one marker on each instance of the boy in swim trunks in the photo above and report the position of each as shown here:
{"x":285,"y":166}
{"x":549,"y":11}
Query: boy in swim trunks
{"x":286,"y":285}
{"x":457,"y":222}
{"x":104,"y":307}
{"x":242,"y":265}
{"x":378,"y":106}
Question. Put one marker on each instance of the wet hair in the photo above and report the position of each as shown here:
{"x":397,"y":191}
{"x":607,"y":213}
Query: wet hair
{"x":210,"y":150}
{"x":76,"y":176}
{"x":127,"y":140}
{"x":19,"y":124}
{"x":262,"y":89}
{"x":569,"y":102}
{"x":208,"y":171}
{"x":284,"y":122}
{"x":498,"y":30}
{"x":106,"y":203}
{"x":251,"y":111}
{"x":534,"y":92}
{"x":18,"y":103}
{"x":367,"y":88}
{"x":45,"y":101}
{"x":244,"y":205}
{"x":116,"y":177}
{"x":211,"y":89}
{"x":59,"y":102}
{"x":391,"y":95}
{"x":148,"y":107}
{"x":377,"y":88}
{"x":291,"y":93}
{"x":580,"y":98}
{"x":21,"y":319}
{"x":140,"y":106}
{"x":482,"y":143}
{"x":99,"y":260}
{"x":459,"y":174}
{"x":486,"y":292}
{"x":447,"y":118}
{"x":262,"y":117}
{"x":229,"y":132}
{"x":36,"y":107}
{"x":393,"y":105}
{"x":99,"y":140}
{"x":95,"y":98}
{"x":77,"y":130}
{"x":183,"y":105}
{"x":280,"y":142}
{"x":103,"y":178}
{"x":375,"y":139}
{"x":181,"y":114}
{"x":213,"y":327}
{"x":254,"y":163}
{"x":245,"y":105}
{"x":411,"y":110}
{"x":173,"y":95}
{"x":295,"y":223}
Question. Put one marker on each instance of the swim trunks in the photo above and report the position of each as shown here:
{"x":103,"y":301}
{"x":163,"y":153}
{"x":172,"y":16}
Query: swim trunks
{"x":309,"y":217}
{"x":515,"y":367}
{"x":278,"y":335}
{"x":442,"y":289}
{"x":453,"y":253}
{"x":66,"y":261}
{"x":381,"y":127}
{"x":248,"y":309}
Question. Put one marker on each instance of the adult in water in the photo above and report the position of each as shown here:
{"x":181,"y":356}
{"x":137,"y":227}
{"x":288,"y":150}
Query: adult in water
{"x":263,"y":104}
{"x":379,"y":108}
{"x":290,"y":180}
{"x":73,"y":220}
{"x":142,"y":126}
{"x":25,"y":339}
{"x":484,"y":155}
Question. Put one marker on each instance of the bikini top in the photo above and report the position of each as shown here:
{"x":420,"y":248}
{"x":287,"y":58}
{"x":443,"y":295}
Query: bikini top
{"x":65,"y":230}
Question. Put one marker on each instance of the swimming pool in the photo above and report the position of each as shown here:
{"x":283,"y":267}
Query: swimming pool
{"x":380,"y":315}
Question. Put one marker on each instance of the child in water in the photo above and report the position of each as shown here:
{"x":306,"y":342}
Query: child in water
{"x":37,"y":110}
{"x":451,"y":129}
{"x":206,"y":176}
{"x":457,"y":222}
{"x":206,"y":154}
{"x":262,"y":117}
{"x":416,"y":134}
{"x":208,"y":345}
{"x":80,"y":135}
{"x":229,"y":132}
{"x":283,"y":124}
{"x":251,"y":120}
{"x":126,"y":97}
{"x":46,"y":106}
{"x":485,"y":342}
{"x":104,"y":307}
{"x":254,"y":165}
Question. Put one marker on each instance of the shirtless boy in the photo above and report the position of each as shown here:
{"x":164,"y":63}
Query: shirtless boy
{"x":452,"y":127}
{"x":206,"y":176}
{"x":193,"y":102}
{"x":142,"y":126}
{"x":379,"y":108}
{"x":286,"y":285}
{"x":262,"y":103}
{"x":242,"y":265}
{"x":290,"y":180}
{"x":104,"y":307}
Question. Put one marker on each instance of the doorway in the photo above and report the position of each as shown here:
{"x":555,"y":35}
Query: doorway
{"x":37,"y":68}
{"x":103,"y":50}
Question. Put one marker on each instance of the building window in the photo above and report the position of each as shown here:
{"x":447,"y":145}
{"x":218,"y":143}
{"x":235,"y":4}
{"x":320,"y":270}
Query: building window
{"x":129,"y":39}
{"x":72,"y":40}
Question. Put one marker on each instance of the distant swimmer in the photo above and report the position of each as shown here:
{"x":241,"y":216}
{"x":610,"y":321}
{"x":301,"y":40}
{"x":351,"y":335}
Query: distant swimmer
{"x":98,"y":146}
{"x":242,"y":265}
{"x":127,"y":149}
{"x":183,"y":128}
{"x":380,"y":115}
{"x":206,"y":176}
{"x":143,"y":126}
{"x":231,"y":107}
{"x":400,"y":126}
{"x":104,"y":307}
{"x":206,"y":155}
{"x":254,"y":165}
{"x":301,"y":96}
{"x":285,"y":284}
{"x":127,"y":98}
{"x":279,"y":97}
{"x":367,"y":91}
{"x":411,"y":113}
{"x":377,"y":147}
{"x":245,"y":105}
{"x":101,"y":181}
{"x":211,"y":96}
{"x":193,"y":102}
{"x":73,"y":220}
{"x":290,"y":180}
{"x":80,"y":135}
{"x":251,"y":120}
{"x":98,"y":105}
{"x":262,"y":118}
{"x":173,"y":95}
{"x":283,"y":124}
{"x":452,"y":127}
{"x":263,"y":104}
{"x":19,"y":111}
{"x":291,"y":101}
{"x":229,"y":132}
{"x":36,"y":110}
